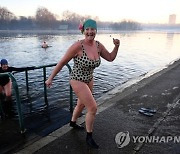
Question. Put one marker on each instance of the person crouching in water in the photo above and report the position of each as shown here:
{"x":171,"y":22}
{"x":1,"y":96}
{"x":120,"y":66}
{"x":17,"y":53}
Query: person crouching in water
{"x":6,"y":84}
{"x":86,"y":54}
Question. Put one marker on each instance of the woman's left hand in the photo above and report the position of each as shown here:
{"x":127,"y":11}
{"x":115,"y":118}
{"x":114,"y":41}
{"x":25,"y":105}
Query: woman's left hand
{"x":116,"y":42}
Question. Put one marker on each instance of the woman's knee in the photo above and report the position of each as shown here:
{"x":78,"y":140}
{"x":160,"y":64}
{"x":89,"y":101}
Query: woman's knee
{"x":8,"y":89}
{"x":92,"y":109}
{"x":8,"y":92}
{"x":80,"y":106}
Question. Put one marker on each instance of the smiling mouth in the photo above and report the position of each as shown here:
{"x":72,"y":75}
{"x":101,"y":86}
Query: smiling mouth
{"x":90,"y":34}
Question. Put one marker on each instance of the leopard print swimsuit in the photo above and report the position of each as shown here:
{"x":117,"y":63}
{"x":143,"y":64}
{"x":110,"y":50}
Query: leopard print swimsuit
{"x":83,"y":66}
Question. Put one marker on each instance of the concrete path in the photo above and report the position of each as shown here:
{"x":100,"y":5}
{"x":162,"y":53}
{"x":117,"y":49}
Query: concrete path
{"x":118,"y":117}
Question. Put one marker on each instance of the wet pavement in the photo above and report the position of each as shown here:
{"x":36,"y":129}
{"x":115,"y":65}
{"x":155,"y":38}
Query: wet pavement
{"x":118,"y":117}
{"x":37,"y":125}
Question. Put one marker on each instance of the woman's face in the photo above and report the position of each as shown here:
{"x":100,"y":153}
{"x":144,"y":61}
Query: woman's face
{"x":90,"y":33}
{"x":4,"y":66}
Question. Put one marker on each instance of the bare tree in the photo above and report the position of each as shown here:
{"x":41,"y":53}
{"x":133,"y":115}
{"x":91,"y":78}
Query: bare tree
{"x":74,"y":19}
{"x":45,"y":19}
{"x":5,"y":17}
{"x":5,"y":14}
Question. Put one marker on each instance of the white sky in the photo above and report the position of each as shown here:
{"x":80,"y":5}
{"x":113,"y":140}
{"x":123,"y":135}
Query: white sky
{"x":145,"y":11}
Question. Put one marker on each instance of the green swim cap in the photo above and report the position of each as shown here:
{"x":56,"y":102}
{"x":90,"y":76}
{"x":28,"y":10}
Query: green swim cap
{"x":90,"y":23}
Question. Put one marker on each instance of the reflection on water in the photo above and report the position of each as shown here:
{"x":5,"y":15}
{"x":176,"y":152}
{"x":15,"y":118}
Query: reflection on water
{"x":139,"y":53}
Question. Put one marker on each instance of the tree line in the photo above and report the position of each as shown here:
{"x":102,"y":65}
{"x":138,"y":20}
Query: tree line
{"x":44,"y":19}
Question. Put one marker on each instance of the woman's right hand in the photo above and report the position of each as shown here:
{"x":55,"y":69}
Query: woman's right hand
{"x":48,"y":83}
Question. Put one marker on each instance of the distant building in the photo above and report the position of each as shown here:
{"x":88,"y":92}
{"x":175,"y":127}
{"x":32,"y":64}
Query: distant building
{"x":172,"y":19}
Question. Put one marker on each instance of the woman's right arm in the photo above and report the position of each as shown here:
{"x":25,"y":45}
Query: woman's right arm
{"x":71,"y":52}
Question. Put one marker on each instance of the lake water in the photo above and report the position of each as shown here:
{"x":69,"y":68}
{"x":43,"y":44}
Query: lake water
{"x":139,"y":53}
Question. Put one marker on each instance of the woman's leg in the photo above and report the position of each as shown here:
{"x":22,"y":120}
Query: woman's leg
{"x":1,"y":89}
{"x":90,"y":116}
{"x":8,"y":89}
{"x":8,"y":99}
{"x":80,"y":106}
{"x":77,"y":110}
{"x":1,"y":92}
{"x":84,"y":94}
{"x":76,"y":113}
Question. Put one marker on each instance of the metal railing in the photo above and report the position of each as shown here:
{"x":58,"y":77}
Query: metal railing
{"x":45,"y":88}
{"x":18,"y":101}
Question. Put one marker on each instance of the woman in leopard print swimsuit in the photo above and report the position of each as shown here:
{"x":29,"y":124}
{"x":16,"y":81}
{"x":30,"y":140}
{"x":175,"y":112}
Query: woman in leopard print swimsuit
{"x":83,"y":66}
{"x":86,"y":54}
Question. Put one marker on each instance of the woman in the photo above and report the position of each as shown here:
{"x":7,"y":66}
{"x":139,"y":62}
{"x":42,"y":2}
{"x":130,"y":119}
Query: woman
{"x":86,"y":54}
{"x":5,"y":82}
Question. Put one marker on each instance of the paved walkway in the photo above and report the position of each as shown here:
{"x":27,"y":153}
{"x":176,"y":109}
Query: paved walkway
{"x":118,"y":112}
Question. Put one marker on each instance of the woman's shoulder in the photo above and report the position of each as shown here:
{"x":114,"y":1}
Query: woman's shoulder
{"x":77,"y":44}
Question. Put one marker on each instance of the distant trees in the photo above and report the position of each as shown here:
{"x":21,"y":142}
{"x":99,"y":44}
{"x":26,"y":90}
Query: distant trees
{"x":5,"y":17}
{"x":44,"y":19}
{"x":71,"y":19}
{"x":22,"y":23}
{"x":9,"y":21}
{"x":126,"y":25}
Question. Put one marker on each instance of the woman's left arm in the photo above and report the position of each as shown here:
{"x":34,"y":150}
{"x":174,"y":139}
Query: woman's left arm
{"x":11,"y":69}
{"x":110,"y":56}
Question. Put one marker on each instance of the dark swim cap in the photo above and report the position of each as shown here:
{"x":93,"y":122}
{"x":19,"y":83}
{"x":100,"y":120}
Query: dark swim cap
{"x":4,"y":62}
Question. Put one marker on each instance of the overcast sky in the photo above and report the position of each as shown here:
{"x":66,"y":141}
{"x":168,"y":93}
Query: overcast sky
{"x":145,"y":11}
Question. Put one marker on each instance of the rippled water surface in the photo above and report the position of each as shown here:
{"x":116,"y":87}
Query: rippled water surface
{"x":139,"y":53}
